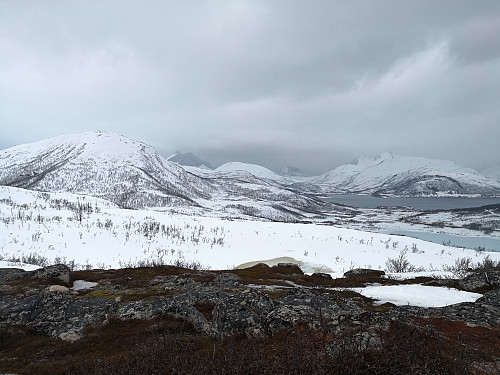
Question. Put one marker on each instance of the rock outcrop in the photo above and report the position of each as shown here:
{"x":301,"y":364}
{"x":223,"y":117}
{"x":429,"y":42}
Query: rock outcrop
{"x":57,"y":271}
{"x":57,"y":314}
{"x":220,"y":303}
{"x":245,"y":312}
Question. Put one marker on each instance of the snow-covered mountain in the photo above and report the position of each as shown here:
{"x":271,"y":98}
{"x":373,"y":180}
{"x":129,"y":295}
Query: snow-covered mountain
{"x":384,"y":174}
{"x":133,"y":174}
{"x":113,"y":167}
{"x":189,"y":159}
{"x":404,"y":175}
{"x":240,"y":169}
{"x":291,"y":172}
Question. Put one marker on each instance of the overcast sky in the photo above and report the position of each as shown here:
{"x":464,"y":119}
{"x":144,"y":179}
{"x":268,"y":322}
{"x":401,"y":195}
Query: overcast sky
{"x":313,"y":84}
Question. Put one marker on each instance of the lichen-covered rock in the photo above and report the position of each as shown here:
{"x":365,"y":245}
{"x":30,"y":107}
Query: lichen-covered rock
{"x":287,"y":269}
{"x":491,"y":298}
{"x":244,"y":312}
{"x":302,"y":305}
{"x":208,"y":295}
{"x":58,"y":288}
{"x":364,"y":272}
{"x":144,"y":310}
{"x":57,"y":271}
{"x":479,"y":280}
{"x":177,"y":283}
{"x":11,"y":273}
{"x":55,"y":314}
{"x":485,"y":311}
{"x":227,"y":280}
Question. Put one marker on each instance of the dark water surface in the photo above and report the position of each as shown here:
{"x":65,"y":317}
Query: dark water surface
{"x":424,"y":203}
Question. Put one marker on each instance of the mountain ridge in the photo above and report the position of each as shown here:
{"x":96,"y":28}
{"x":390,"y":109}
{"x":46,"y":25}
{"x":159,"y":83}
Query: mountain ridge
{"x":132,"y":174}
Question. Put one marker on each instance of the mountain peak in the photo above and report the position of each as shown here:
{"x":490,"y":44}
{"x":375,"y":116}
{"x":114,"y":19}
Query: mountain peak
{"x":291,"y":171}
{"x":189,"y":159}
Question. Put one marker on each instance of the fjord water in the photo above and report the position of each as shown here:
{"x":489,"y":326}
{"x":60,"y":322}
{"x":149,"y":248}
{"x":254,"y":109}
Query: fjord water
{"x":418,"y":203}
{"x":427,"y":203}
{"x":475,"y":243}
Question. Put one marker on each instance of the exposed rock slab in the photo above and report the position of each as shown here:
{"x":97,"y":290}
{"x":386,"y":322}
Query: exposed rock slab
{"x":55,"y":314}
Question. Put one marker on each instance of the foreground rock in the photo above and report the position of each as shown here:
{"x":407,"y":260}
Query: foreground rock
{"x":245,"y":312}
{"x":56,"y":314}
{"x":219,"y":303}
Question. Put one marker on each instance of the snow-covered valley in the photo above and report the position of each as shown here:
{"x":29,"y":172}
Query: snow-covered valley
{"x":88,"y":232}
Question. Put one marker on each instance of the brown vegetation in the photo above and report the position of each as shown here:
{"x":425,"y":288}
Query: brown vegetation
{"x":171,"y":346}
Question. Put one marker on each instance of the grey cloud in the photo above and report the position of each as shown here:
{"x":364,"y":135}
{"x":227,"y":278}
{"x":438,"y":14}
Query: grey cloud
{"x":311,"y":84}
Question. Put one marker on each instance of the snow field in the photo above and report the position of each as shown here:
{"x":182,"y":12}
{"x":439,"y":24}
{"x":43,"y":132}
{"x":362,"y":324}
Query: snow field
{"x":108,"y":237}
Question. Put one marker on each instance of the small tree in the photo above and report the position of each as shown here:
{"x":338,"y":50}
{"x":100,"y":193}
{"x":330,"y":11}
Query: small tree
{"x":461,"y":267}
{"x":399,"y":264}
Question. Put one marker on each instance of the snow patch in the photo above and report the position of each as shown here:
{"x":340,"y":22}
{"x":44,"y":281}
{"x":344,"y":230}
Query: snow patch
{"x":22,"y":266}
{"x":417,"y":295}
{"x":83,"y":285}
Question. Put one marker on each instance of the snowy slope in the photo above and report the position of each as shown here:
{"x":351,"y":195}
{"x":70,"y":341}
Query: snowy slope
{"x":404,"y":175}
{"x":105,"y":236}
{"x":237,"y":170}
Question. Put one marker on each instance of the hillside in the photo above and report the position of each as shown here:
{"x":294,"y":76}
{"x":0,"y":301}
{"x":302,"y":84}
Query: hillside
{"x":86,"y":230}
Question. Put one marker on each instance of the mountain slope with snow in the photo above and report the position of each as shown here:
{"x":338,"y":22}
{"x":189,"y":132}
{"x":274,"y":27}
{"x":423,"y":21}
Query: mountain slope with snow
{"x":404,"y":175}
{"x":132,"y":174}
{"x":127,"y":172}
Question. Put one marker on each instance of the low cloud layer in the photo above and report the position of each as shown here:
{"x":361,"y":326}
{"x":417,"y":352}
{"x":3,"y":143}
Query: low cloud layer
{"x":310,"y":84}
